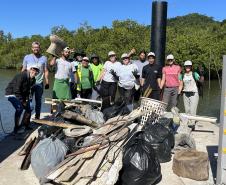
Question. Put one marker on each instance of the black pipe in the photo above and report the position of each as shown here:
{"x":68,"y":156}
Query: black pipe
{"x":158,"y":30}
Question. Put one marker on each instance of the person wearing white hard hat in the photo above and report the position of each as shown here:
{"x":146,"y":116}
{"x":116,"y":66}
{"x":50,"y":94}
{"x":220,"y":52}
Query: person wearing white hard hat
{"x":85,"y":79}
{"x":64,"y":69}
{"x":171,"y":82}
{"x":18,"y":93}
{"x":151,"y":77}
{"x":190,"y":90}
{"x":126,"y":77}
{"x":108,"y":83}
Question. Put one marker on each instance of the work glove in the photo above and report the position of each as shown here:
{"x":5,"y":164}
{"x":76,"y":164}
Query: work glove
{"x":97,"y":83}
{"x":46,"y":86}
{"x":135,"y":74}
{"x":115,"y":76}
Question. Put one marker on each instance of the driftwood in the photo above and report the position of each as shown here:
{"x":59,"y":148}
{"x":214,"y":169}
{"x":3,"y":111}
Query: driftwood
{"x":27,"y":147}
{"x":77,"y":117}
{"x":53,"y":123}
{"x":27,"y":159}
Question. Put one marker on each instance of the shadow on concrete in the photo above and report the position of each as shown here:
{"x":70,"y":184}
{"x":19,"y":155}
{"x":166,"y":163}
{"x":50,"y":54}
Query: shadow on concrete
{"x":11,"y":143}
{"x":213,"y":160}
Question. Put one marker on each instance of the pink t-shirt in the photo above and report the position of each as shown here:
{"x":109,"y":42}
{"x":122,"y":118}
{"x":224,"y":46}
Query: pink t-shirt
{"x":172,"y":75}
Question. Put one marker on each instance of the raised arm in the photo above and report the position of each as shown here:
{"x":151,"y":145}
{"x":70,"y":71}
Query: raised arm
{"x":52,"y":61}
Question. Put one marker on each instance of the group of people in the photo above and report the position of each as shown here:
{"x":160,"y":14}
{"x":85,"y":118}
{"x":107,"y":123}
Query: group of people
{"x":77,"y":75}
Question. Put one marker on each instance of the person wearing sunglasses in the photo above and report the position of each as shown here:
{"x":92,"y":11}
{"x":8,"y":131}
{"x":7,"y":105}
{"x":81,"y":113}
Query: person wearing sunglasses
{"x":170,"y":82}
{"x":108,"y":83}
{"x":126,"y":77}
{"x":85,"y":81}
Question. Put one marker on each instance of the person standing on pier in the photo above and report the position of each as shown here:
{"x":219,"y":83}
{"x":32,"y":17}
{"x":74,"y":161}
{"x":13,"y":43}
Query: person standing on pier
{"x":36,"y":58}
{"x":18,"y":93}
{"x":108,"y":83}
{"x":61,"y":87}
{"x":151,"y":77}
{"x":190,"y":90}
{"x":170,"y":82}
{"x":140,"y":64}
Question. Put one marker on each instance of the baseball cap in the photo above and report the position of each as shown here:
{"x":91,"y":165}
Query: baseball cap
{"x":188,"y":63}
{"x":124,"y":55}
{"x":110,"y":53}
{"x":170,"y":57}
{"x":36,"y":67}
{"x":151,"y":54}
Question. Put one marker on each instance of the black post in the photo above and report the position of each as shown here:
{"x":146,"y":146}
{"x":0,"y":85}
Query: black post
{"x":158,"y":30}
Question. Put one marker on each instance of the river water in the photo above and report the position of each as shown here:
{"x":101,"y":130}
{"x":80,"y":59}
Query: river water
{"x":209,"y":105}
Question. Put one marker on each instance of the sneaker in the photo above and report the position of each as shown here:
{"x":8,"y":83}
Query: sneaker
{"x":37,"y":116}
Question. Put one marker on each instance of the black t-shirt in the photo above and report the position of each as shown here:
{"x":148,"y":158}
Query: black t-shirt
{"x":151,"y":73}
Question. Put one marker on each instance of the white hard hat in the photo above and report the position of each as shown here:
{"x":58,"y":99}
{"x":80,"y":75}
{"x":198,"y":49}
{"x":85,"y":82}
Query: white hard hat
{"x":170,"y":57}
{"x":110,"y":53}
{"x":124,"y":55}
{"x":151,"y":54}
{"x":85,"y":58}
{"x":188,"y":63}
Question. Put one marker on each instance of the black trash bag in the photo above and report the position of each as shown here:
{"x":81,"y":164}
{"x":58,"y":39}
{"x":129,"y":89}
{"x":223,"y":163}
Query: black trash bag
{"x":119,"y":108}
{"x":46,"y":155}
{"x":46,"y":131}
{"x":160,"y":139}
{"x":140,"y":164}
{"x":168,"y":123}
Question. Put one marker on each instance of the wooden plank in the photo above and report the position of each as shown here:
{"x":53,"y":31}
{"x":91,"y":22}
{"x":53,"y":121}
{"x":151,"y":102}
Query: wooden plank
{"x":53,"y":123}
{"x":93,"y":164}
{"x":70,"y":172}
{"x":63,"y":167}
{"x":89,"y":154}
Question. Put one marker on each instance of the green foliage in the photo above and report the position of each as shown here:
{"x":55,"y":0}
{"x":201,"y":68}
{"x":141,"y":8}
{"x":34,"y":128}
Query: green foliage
{"x":192,"y":37}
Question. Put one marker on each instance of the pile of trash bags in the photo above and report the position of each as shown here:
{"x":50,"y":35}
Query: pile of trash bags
{"x":55,"y":142}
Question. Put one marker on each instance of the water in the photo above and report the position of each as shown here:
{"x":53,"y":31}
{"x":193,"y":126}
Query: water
{"x":209,"y":105}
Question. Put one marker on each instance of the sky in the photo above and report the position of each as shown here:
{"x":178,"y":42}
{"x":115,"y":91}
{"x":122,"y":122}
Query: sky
{"x":26,"y":17}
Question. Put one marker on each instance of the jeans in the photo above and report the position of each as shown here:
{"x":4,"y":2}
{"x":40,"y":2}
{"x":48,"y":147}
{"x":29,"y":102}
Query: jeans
{"x":37,"y":91}
{"x":19,"y":107}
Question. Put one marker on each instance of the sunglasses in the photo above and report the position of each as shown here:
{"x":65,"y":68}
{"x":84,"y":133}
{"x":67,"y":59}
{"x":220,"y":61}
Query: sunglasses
{"x":86,"y":60}
{"x":125,"y":58}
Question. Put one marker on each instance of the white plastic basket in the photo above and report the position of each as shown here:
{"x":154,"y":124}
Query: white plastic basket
{"x":154,"y":107}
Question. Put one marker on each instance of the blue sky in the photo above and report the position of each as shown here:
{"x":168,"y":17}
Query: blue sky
{"x":26,"y":18}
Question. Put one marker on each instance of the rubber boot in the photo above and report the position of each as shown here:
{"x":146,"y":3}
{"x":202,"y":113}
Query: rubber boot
{"x":17,"y":122}
{"x":26,"y":120}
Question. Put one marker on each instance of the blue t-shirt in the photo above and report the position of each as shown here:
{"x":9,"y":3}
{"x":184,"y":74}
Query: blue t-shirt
{"x":41,"y":62}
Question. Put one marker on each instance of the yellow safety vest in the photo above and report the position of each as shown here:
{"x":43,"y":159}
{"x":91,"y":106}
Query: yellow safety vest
{"x":79,"y":72}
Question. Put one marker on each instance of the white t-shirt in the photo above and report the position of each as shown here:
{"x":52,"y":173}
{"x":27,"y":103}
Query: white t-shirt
{"x":189,"y":82}
{"x":63,"y":69}
{"x":108,"y":66}
{"x":140,"y":65}
{"x":74,"y":66}
{"x":126,"y":77}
